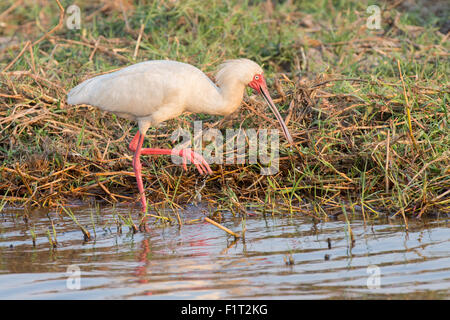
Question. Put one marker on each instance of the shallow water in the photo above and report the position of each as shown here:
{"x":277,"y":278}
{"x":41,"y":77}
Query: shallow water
{"x":200,"y":261}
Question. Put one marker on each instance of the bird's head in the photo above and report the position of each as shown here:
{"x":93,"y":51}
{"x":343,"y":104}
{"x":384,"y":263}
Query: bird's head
{"x":251,"y":74}
{"x":258,"y":83}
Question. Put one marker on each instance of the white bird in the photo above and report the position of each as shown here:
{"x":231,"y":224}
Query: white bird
{"x":155,"y":91}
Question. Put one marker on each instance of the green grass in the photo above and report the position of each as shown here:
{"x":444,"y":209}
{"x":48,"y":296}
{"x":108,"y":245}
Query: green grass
{"x":51,"y":152}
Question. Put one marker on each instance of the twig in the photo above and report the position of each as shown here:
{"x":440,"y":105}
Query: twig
{"x":13,"y":6}
{"x":333,"y":80}
{"x":60,"y":23}
{"x":138,"y":42}
{"x":221,"y":227}
{"x":91,"y":56}
{"x":17,"y":57}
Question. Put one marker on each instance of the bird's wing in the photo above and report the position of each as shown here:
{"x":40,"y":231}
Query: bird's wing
{"x":142,"y":88}
{"x":136,"y":92}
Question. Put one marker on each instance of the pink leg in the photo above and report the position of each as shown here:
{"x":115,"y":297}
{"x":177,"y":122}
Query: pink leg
{"x":199,"y":162}
{"x":136,"y":146}
{"x":137,"y":169}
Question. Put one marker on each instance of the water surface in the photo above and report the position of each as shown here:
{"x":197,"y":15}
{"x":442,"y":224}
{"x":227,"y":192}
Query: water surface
{"x":281,"y":257}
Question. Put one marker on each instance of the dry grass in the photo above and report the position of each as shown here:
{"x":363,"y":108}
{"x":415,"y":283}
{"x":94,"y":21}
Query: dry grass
{"x":371,"y":132}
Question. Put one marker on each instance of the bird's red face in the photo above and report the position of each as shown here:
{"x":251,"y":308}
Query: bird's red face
{"x":257,"y":82}
{"x":259,"y":85}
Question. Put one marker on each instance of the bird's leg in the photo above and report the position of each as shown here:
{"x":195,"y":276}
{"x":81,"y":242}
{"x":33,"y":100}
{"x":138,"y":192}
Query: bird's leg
{"x":186,"y":154}
{"x":134,"y":142}
{"x":137,"y":168}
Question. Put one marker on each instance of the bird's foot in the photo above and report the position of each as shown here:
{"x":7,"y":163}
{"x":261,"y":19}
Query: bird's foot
{"x":199,"y":162}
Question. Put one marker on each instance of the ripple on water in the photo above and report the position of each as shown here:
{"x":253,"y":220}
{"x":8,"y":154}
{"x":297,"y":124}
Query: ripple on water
{"x":199,"y":261}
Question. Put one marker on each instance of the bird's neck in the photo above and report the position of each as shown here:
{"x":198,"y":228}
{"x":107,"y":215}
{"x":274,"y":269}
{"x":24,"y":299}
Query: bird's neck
{"x":218,"y":100}
{"x":232,"y":93}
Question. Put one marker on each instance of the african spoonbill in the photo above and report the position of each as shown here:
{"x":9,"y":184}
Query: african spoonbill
{"x":155,"y":91}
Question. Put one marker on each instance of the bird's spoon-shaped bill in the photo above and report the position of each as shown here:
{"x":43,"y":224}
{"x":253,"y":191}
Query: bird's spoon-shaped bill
{"x":265,"y":93}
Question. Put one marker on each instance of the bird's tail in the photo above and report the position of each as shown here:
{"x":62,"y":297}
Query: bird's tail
{"x":79,"y":94}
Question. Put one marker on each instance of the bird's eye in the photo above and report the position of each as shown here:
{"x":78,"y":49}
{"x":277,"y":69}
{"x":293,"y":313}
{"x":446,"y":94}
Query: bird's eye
{"x":256,"y":77}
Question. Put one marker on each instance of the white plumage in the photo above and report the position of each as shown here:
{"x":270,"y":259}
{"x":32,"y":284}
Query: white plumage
{"x":154,"y":91}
